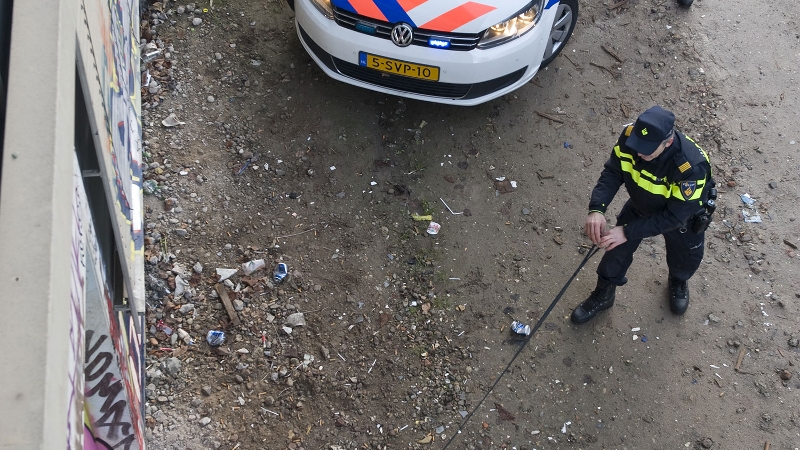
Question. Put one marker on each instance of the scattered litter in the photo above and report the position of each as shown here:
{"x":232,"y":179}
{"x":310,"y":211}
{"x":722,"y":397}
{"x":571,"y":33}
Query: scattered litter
{"x":751,"y":218}
{"x":251,"y":266}
{"x":564,"y":428}
{"x":150,"y":56}
{"x":644,"y":338}
{"x":635,"y":329}
{"x":287,"y":330}
{"x":172,"y":121}
{"x":150,"y":187}
{"x":255,"y":62}
{"x":713,"y":366}
{"x":504,"y":186}
{"x":520,"y":328}
{"x":448,"y":208}
{"x":426,"y":440}
{"x":747,"y":200}
{"x":215,"y":338}
{"x":433,"y":228}
{"x":635,"y":337}
{"x":280,"y":272}
{"x":224,"y":274}
{"x":247,"y":162}
{"x":567,"y":144}
{"x":418,"y":218}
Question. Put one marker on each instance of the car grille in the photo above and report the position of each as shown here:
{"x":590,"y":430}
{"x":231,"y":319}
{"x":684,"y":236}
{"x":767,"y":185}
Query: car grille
{"x":407,"y":84}
{"x":383,"y":30}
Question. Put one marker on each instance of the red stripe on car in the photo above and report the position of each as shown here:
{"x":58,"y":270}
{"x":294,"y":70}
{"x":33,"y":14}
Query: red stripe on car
{"x":458,"y":16}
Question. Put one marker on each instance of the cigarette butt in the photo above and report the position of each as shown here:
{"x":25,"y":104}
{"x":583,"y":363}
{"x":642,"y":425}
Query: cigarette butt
{"x":419,"y":218}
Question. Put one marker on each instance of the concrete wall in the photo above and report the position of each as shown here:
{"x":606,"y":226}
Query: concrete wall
{"x":52,"y":389}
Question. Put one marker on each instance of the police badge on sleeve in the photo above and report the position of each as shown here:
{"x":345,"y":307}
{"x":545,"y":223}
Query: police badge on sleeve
{"x":688,"y":188}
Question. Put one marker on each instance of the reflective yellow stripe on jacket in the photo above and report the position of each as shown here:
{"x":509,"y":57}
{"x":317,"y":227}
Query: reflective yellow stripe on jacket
{"x":651,"y":183}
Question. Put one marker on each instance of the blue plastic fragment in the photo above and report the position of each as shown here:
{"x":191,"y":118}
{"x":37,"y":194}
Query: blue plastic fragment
{"x":644,"y":338}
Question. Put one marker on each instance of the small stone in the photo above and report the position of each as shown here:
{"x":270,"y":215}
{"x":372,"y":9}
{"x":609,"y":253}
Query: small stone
{"x":187,"y":308}
{"x":197,"y":21}
{"x":218,"y":56}
{"x":239,"y":378}
{"x":731,"y":183}
{"x":793,"y":342}
{"x":181,"y":232}
{"x":205,"y":421}
{"x":526,"y":211}
{"x":172,"y":365}
{"x":206,"y":390}
{"x":181,"y":9}
{"x":714,"y":318}
{"x":238,"y":305}
{"x":773,"y":184}
{"x":785,"y":375}
{"x":280,"y":172}
{"x":706,"y":443}
{"x":296,"y":320}
{"x":198,"y":268}
{"x":210,"y":99}
{"x":196,"y":402}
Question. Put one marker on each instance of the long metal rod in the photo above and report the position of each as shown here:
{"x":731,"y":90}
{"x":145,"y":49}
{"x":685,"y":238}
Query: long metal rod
{"x":527,"y":339}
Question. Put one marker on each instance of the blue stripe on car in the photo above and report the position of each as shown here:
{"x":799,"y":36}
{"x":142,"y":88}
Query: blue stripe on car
{"x":344,"y":4}
{"x":394,"y":12}
{"x":550,"y":3}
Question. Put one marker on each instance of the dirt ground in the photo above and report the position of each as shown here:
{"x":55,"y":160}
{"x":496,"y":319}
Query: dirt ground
{"x":404,"y":331}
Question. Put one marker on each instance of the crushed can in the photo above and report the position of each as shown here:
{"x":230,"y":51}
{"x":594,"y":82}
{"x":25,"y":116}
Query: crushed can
{"x":520,"y":328}
{"x":215,"y":338}
{"x":280,"y":272}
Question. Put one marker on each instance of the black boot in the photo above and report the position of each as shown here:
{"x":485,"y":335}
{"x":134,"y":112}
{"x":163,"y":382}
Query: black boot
{"x":678,"y":296}
{"x":601,"y":299}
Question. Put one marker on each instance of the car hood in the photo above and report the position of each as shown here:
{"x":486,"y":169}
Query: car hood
{"x":460,"y":16}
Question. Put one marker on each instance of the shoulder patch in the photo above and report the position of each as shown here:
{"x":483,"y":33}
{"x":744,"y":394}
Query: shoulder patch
{"x":628,"y":130}
{"x":684,"y":167}
{"x":688,"y":188}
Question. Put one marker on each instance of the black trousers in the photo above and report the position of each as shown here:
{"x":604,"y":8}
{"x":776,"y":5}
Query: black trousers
{"x":684,"y":252}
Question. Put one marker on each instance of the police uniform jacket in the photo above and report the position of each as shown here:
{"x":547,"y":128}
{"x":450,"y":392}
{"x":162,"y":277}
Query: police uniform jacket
{"x":665,"y":192}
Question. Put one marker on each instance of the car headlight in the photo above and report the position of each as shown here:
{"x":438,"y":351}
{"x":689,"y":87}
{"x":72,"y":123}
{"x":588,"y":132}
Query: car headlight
{"x":324,"y":6}
{"x":513,"y":27}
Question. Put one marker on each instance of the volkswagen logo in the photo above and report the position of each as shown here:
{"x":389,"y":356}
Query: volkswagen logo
{"x":402,"y":35}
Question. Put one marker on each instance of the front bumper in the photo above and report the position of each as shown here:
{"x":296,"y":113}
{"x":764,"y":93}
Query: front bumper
{"x":466,"y":77}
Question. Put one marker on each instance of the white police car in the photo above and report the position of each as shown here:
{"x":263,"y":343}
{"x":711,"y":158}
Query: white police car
{"x":462,"y":52}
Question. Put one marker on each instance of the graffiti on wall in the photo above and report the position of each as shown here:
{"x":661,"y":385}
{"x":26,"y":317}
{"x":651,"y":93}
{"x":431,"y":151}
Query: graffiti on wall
{"x":80,"y":212}
{"x":108,"y":409}
{"x":112,"y":362}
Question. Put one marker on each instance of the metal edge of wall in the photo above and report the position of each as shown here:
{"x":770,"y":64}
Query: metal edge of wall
{"x":109,"y":57}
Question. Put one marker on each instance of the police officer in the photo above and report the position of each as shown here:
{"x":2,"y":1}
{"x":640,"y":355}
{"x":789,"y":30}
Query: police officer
{"x":667,"y":177}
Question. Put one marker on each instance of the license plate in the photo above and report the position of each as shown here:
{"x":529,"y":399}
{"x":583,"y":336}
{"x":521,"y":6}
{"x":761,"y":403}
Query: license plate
{"x":397,"y":67}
